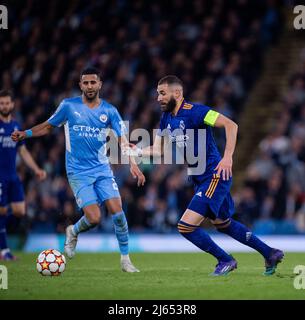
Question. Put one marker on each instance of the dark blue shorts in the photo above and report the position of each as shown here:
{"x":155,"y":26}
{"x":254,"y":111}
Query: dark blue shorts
{"x":11,"y":190}
{"x":212,"y":198}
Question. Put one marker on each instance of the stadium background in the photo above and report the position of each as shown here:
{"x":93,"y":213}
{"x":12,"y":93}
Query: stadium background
{"x":241,"y":57}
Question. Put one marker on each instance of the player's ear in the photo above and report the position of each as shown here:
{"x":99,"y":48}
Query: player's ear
{"x":178,"y":93}
{"x":101,"y":84}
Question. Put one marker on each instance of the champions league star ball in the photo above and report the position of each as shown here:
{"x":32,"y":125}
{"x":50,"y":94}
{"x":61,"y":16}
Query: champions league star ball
{"x":51,"y":263}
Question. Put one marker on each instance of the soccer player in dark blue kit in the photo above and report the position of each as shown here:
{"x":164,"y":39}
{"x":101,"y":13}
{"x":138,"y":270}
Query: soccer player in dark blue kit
{"x":212,"y":199}
{"x":11,"y":190}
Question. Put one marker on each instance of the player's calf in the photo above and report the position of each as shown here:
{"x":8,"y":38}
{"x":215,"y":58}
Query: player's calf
{"x":121,"y":232}
{"x":203,"y":241}
{"x":241,"y":233}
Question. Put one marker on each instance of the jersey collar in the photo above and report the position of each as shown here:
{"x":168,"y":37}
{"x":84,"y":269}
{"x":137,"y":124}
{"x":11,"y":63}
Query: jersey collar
{"x":95,"y":108}
{"x":181,"y":106}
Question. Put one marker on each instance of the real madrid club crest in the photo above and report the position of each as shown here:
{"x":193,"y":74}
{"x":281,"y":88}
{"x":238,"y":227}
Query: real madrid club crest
{"x":182,"y":125}
{"x":103,"y":117}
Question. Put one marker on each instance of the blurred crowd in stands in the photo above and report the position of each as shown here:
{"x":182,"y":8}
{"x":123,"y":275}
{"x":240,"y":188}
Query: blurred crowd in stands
{"x":273,"y":196}
{"x":215,"y":47}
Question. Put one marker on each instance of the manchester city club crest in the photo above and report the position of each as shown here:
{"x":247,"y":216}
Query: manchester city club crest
{"x":103,"y":118}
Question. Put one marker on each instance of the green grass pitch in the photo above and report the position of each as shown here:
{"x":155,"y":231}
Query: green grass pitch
{"x":162,"y":276}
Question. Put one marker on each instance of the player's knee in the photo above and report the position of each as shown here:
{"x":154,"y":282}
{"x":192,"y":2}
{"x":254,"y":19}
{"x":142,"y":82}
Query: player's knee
{"x":94,"y":218}
{"x":185,"y":228}
{"x":18,"y":212}
{"x":221,"y":224}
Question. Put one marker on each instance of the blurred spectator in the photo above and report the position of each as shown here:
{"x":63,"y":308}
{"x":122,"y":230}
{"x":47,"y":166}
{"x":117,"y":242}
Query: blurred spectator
{"x":277,"y":175}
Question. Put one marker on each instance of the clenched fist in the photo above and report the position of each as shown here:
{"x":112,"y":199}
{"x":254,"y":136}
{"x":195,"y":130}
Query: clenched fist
{"x":18,"y":135}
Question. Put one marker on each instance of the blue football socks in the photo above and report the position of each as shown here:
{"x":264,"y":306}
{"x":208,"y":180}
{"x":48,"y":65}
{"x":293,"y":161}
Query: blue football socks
{"x":82,"y":225}
{"x":203,"y":241}
{"x":121,"y":231}
{"x":241,"y":233}
{"x":3,"y":235}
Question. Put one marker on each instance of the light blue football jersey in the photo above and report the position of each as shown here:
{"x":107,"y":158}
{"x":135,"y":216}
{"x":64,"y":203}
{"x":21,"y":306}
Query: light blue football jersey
{"x":85,"y":133}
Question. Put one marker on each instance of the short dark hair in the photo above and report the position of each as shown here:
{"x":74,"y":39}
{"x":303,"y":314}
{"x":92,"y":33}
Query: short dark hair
{"x":91,"y":70}
{"x":170,"y":79}
{"x":6,"y":93}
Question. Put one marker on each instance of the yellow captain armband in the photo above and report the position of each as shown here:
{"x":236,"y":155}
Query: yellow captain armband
{"x":211,"y":117}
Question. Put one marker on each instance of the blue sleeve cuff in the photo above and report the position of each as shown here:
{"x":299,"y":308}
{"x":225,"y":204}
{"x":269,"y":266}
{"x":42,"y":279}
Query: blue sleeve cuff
{"x":28,"y":133}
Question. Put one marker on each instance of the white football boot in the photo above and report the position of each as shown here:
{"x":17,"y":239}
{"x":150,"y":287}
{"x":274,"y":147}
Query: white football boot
{"x":70,"y":243}
{"x":126,"y":264}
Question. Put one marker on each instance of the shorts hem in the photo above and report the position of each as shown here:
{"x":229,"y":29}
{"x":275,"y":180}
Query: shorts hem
{"x":111,"y":197}
{"x":88,"y":203}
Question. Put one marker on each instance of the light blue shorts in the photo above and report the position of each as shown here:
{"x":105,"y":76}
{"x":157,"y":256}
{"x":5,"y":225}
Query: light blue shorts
{"x":91,"y":189}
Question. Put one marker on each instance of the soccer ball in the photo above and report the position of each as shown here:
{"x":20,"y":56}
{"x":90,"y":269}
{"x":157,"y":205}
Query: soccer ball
{"x":50,"y":263}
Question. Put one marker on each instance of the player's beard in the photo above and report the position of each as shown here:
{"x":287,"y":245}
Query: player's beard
{"x":5,"y":114}
{"x":91,"y":97}
{"x":170,"y":106}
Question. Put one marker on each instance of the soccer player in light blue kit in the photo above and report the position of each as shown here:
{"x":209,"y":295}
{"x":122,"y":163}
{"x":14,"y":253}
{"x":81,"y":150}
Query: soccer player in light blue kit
{"x":212,"y":199}
{"x":85,"y":119}
{"x":11,"y":189}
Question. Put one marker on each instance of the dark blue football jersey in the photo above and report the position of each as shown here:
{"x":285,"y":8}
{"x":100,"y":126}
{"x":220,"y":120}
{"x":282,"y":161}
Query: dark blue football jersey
{"x":8,"y":149}
{"x":190,"y":131}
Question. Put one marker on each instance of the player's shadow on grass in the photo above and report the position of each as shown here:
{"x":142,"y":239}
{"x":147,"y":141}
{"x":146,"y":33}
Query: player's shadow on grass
{"x":285,"y":275}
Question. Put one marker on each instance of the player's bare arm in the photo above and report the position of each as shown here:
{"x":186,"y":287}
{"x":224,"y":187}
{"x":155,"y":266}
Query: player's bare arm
{"x":226,"y":163}
{"x":37,"y":131}
{"x":134,"y":169}
{"x":155,"y":150}
{"x":30,"y":162}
